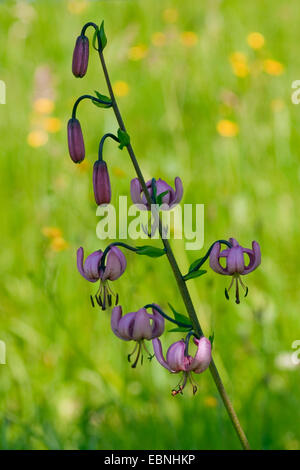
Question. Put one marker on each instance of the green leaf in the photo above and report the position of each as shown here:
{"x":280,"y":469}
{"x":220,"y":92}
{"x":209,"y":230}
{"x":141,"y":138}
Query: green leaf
{"x":102,"y":98}
{"x":160,"y":196}
{"x":179,"y":329}
{"x":195,"y":264}
{"x":194,"y":274}
{"x":151,"y":251}
{"x":95,"y":40}
{"x":123,"y":138}
{"x":180,"y":318}
{"x":103,"y":38}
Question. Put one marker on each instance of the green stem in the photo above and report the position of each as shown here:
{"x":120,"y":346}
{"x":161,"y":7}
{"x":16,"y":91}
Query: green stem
{"x":178,"y":276}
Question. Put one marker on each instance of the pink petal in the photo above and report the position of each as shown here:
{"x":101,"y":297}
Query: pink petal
{"x":214,"y":259}
{"x":235,"y":260}
{"x":135,"y":191}
{"x":116,"y":316}
{"x":255,"y":257}
{"x":159,"y":354}
{"x":175,"y":356}
{"x":158,"y":323}
{"x":90,"y":269}
{"x":142,"y":328}
{"x":178,"y":192}
{"x":125,"y":326}
{"x":202,"y":358}
{"x":115,"y":264}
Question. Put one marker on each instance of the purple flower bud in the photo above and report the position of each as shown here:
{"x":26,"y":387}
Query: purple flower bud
{"x":80,"y":56}
{"x":137,"y":326}
{"x":101,"y":183}
{"x":75,"y":141}
{"x":178,"y":361}
{"x":170,"y":199}
{"x":235,"y":263}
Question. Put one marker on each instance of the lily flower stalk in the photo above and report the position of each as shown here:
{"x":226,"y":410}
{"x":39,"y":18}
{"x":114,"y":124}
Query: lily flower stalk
{"x":92,"y":271}
{"x":137,"y":326}
{"x":235,"y":264}
{"x":178,"y":360}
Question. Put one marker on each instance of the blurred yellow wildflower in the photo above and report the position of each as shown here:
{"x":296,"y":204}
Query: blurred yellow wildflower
{"x":58,"y":244}
{"x":52,"y":232}
{"x":118,"y":172}
{"x":170,"y":15}
{"x":273,"y":67}
{"x":52,"y":124}
{"x":189,"y":38}
{"x":77,"y":6}
{"x":239,"y":64}
{"x":210,"y":402}
{"x":256,"y":40}
{"x":84,"y":166}
{"x":227,"y":128}
{"x":37,"y":138}
{"x":277,"y":104}
{"x":43,"y":106}
{"x":137,"y":52}
{"x":158,"y":39}
{"x":121,"y":88}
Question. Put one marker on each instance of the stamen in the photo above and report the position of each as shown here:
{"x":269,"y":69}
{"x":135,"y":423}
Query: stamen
{"x":134,"y":349}
{"x":226,"y":294}
{"x":92,"y":301}
{"x":246,"y":292}
{"x":237,"y":295}
{"x":137,"y":356}
{"x":99,"y":302}
{"x":117,"y":299}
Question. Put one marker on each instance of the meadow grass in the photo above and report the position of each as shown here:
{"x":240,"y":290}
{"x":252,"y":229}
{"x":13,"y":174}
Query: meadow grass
{"x":198,"y":102}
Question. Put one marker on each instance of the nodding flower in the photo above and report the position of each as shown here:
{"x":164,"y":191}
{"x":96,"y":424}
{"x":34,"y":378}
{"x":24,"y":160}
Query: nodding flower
{"x":92,"y":271}
{"x":80,"y":56}
{"x":137,"y":326}
{"x":169,"y":197}
{"x":235,"y":263}
{"x":178,"y":360}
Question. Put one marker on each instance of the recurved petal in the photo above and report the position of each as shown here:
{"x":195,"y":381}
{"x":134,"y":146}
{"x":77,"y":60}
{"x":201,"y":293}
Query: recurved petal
{"x":142,"y":328}
{"x":178,"y":192}
{"x":135,"y":191}
{"x":116,"y":316}
{"x":159,"y":354}
{"x":175,"y":356}
{"x":214,"y":260}
{"x":125,"y":326}
{"x":158,"y":323}
{"x":115,"y":264}
{"x":90,"y":269}
{"x":202,"y":358}
{"x":254,"y":256}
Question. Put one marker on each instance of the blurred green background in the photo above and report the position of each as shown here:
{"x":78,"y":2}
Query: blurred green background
{"x":205,"y":92}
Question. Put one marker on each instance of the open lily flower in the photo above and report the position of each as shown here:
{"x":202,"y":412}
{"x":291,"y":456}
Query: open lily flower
{"x":177,"y":360}
{"x":91,"y":270}
{"x":137,"y":326}
{"x":169,"y":200}
{"x":235,"y":263}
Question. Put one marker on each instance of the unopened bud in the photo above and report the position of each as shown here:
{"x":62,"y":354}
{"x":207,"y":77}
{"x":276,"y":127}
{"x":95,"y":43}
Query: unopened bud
{"x":75,"y":141}
{"x":101,"y":183}
{"x":80,"y":56}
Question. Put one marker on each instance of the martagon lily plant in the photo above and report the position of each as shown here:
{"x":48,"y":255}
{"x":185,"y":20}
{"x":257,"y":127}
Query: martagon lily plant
{"x":104,"y":267}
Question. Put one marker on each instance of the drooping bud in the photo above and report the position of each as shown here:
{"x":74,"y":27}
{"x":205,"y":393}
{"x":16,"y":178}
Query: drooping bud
{"x":101,"y":183}
{"x":75,"y":141}
{"x":80,"y":56}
